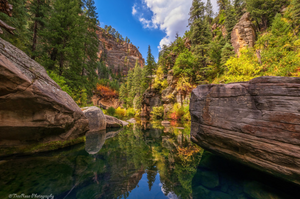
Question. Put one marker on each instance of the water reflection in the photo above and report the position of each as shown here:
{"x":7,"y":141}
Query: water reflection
{"x":94,"y":141}
{"x":146,"y":160}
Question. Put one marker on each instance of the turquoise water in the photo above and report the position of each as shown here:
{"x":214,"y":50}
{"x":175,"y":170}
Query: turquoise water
{"x":142,"y":161}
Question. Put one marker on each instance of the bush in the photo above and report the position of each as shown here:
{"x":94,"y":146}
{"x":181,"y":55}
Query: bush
{"x":130,"y":112}
{"x":157,"y":113}
{"x":120,"y":112}
{"x":111,"y":111}
{"x":177,"y":112}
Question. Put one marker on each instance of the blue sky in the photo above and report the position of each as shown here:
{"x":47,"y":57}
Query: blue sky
{"x":146,"y":22}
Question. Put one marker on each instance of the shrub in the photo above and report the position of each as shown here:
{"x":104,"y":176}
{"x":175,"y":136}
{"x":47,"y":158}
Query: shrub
{"x":177,"y":112}
{"x":120,"y":112}
{"x":157,"y":113}
{"x":130,"y":112}
{"x":111,"y":111}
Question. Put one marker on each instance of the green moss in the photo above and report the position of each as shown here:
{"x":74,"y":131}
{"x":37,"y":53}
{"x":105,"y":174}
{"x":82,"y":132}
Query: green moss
{"x":42,"y":147}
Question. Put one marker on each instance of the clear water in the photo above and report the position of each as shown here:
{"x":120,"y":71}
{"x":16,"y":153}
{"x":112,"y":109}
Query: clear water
{"x":145,"y":161}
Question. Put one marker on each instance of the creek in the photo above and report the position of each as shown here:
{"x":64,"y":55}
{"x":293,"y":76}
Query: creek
{"x":145,"y":160}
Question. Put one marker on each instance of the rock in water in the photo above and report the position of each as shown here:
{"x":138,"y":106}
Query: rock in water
{"x":96,"y":117}
{"x":256,"y":123}
{"x":112,"y":122}
{"x":33,"y":108}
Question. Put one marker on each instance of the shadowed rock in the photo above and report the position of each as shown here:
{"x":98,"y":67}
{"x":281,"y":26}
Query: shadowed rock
{"x":33,"y":108}
{"x":256,"y":123}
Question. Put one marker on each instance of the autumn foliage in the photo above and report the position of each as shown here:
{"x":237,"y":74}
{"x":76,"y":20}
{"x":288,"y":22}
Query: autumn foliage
{"x":106,"y":91}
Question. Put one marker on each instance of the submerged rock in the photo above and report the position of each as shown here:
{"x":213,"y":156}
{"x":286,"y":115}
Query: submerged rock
{"x":256,"y":123}
{"x":33,"y":108}
{"x":96,"y":117}
{"x":112,"y":122}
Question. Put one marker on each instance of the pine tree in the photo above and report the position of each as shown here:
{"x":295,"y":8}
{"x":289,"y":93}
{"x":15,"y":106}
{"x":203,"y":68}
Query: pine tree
{"x":64,"y":42}
{"x":136,"y":85}
{"x":150,"y":67}
{"x":264,"y":11}
{"x":230,"y":20}
{"x":91,"y":44}
{"x":39,"y":10}
{"x":223,"y":4}
{"x":296,"y":14}
{"x":227,"y":52}
{"x":129,"y":87}
{"x":209,"y":11}
{"x":200,"y":32}
{"x":239,"y":6}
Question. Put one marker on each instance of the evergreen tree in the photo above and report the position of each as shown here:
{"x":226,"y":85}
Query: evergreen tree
{"x":200,"y":32}
{"x":295,"y":14}
{"x":227,"y":52}
{"x":223,"y":4}
{"x":209,"y":11}
{"x":129,"y":87}
{"x":239,"y":6}
{"x":39,"y":10}
{"x":65,"y":42}
{"x":91,"y":44}
{"x":230,"y":21}
{"x":150,"y":67}
{"x":264,"y":11}
{"x":136,"y":85}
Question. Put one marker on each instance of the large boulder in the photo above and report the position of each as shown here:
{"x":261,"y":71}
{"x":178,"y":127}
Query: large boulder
{"x":112,"y":122}
{"x":96,"y":117}
{"x":33,"y":108}
{"x":256,"y":123}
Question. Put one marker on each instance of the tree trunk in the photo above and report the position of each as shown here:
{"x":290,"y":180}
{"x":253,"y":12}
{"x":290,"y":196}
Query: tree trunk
{"x":35,"y":27}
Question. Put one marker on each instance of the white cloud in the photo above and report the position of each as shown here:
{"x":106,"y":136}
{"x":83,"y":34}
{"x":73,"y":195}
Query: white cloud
{"x":170,"y":16}
{"x":134,"y":11}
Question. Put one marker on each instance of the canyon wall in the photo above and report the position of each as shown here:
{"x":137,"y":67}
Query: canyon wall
{"x":118,"y":54}
{"x":256,"y":123}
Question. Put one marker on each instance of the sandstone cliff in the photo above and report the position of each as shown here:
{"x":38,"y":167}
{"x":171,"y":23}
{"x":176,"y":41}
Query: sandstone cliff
{"x":243,"y":34}
{"x":118,"y":54}
{"x":256,"y":123}
{"x":33,"y":108}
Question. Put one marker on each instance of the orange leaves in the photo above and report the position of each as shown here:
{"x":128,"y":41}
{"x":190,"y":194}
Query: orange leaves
{"x":106,"y":91}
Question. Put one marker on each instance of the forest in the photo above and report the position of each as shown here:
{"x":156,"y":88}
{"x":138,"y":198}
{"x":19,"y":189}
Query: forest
{"x":48,"y":31}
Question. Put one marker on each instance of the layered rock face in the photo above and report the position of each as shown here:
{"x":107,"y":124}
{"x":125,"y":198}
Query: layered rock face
{"x":256,"y":123}
{"x":118,"y":54}
{"x":243,"y":34}
{"x":33,"y":108}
